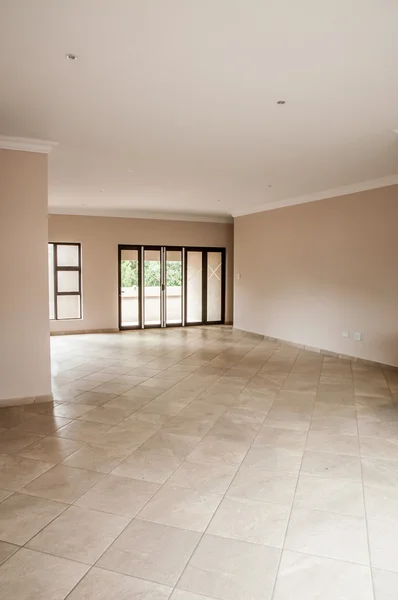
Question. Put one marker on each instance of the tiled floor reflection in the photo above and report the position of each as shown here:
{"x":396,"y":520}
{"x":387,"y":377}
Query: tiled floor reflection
{"x":201,"y":462}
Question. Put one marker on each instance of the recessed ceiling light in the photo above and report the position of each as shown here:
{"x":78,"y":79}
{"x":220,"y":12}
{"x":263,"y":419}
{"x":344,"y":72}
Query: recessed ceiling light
{"x":281,"y":102}
{"x":71,"y":56}
{"x":129,"y":170}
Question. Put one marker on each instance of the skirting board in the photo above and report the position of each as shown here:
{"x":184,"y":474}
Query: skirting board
{"x":319,"y":350}
{"x":25,"y":400}
{"x":83,"y":331}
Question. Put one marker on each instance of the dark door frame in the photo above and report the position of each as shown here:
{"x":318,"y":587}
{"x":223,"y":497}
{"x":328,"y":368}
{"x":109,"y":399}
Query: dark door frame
{"x":122,"y":247}
{"x":205,"y":251}
{"x":184,"y":251}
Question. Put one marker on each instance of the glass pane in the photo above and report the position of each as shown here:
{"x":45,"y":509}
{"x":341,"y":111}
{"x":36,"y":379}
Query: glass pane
{"x":68,"y":281}
{"x":152,"y":281}
{"x":194,"y":287}
{"x":173,"y":286}
{"x":129,"y":270}
{"x":214,"y":262}
{"x":68,"y":255}
{"x":68,"y":307}
{"x":51,"y":280}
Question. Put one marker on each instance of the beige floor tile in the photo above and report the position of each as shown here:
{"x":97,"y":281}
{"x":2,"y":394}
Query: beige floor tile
{"x":151,"y":551}
{"x":306,"y":577}
{"x":51,"y":449}
{"x":17,"y":471}
{"x":43,"y":424}
{"x":195,"y":426}
{"x":101,"y":377}
{"x":82,"y":431}
{"x":161,"y":407}
{"x":217,"y":449}
{"x":157,"y":421}
{"x":337,"y":425}
{"x":241,"y":434}
{"x":12,"y":416}
{"x":380,"y":473}
{"x":171,"y":444}
{"x":72,"y":410}
{"x":107,"y":415}
{"x":4,"y":494}
{"x":211,"y":477}
{"x":250,"y":520}
{"x":105,"y":585}
{"x":383,"y":542}
{"x":148,"y":466}
{"x":327,"y":441}
{"x":97,"y":458}
{"x":264,"y":485}
{"x":212,"y":412}
{"x":381,"y":503}
{"x":92,"y":398}
{"x":128,"y":437}
{"x":273,"y":459}
{"x":127,"y":403}
{"x":184,"y":595}
{"x":385,"y":584}
{"x":22,"y":516}
{"x":12,"y":441}
{"x":378,"y":429}
{"x":30,"y":575}
{"x":64,"y":484}
{"x":79,"y":534}
{"x":112,"y":388}
{"x":231,"y":569}
{"x":180,"y":507}
{"x":379,"y":448}
{"x":194,"y":403}
{"x":323,"y":409}
{"x":141,"y":391}
{"x":118,"y":495}
{"x":281,"y":438}
{"x":337,"y":466}
{"x":328,"y":534}
{"x":334,"y":495}
{"x":6,"y":550}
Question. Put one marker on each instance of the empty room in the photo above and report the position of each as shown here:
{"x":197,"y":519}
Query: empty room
{"x":198,"y":300}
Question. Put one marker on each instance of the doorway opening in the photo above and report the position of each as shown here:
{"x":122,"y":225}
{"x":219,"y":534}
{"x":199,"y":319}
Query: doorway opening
{"x":165,"y":286}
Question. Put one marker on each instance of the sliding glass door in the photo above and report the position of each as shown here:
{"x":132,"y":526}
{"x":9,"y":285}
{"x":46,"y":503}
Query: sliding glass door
{"x":162,"y":286}
{"x":173,"y":286}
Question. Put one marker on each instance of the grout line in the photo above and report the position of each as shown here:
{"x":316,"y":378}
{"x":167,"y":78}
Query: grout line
{"x":296,"y":486}
{"x":363,"y":498}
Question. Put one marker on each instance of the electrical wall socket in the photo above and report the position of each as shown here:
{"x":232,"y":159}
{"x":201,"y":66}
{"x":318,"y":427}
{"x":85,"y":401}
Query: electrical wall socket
{"x":345,"y":333}
{"x":357,"y":336}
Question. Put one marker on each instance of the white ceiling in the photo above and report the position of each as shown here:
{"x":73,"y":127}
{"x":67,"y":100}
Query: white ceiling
{"x":172,"y":107}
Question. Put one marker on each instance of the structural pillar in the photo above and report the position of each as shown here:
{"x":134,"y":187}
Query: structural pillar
{"x":25,"y":372}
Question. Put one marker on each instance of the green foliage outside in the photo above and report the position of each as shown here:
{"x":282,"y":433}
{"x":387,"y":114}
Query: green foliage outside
{"x":151,"y":273}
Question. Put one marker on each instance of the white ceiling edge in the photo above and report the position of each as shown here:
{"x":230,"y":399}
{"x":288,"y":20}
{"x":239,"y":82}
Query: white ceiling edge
{"x":162,"y":216}
{"x":370,"y":184}
{"x":26,"y":144}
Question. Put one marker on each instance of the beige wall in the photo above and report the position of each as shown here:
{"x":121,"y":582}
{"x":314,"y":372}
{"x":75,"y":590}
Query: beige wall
{"x":100,"y":237}
{"x":310,"y":272}
{"x":24,"y":328}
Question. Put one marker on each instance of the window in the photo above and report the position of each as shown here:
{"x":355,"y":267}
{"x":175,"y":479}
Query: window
{"x":65,"y":281}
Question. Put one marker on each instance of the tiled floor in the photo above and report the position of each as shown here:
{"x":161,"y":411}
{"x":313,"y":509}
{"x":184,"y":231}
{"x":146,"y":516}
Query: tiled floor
{"x":201,"y":462}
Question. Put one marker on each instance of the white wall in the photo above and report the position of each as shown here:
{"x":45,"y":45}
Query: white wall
{"x":24,"y":326}
{"x":312,"y":271}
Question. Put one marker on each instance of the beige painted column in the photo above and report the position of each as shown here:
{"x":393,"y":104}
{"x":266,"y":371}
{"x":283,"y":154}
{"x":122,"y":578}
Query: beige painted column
{"x":25,"y":374}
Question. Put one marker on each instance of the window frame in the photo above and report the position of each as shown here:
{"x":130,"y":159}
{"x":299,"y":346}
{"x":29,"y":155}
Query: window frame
{"x":56,"y":270}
